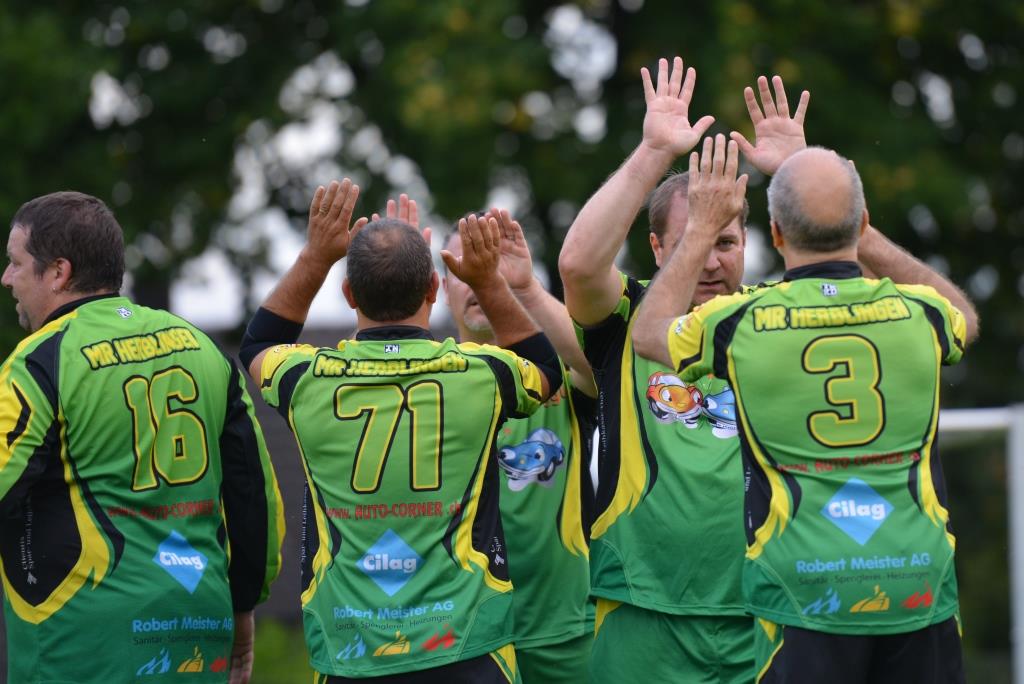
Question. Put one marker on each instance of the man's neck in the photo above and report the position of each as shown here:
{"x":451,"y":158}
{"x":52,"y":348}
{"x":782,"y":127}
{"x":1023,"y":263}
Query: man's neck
{"x":421,"y":319}
{"x":795,"y":259}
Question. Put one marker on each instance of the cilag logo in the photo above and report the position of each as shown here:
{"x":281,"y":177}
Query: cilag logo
{"x":182,"y":562}
{"x":858,"y":510}
{"x":390,"y":563}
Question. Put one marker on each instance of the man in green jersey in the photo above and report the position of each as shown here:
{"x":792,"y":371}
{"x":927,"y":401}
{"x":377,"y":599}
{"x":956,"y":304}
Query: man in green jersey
{"x":141,"y":517}
{"x":405,"y":570}
{"x":546,"y":490}
{"x":849,"y":565}
{"x":667,"y":542}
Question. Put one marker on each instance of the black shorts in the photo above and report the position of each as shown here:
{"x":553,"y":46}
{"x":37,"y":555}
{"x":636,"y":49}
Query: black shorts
{"x":480,"y":670}
{"x":928,"y":656}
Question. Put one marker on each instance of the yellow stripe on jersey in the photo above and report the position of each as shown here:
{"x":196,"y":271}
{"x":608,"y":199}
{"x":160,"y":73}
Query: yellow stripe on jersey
{"x":779,"y":503}
{"x":505,"y":658}
{"x":94,"y":559}
{"x":930,"y":503}
{"x":570,"y":525}
{"x":691,"y":354}
{"x":464,"y":550}
{"x":954,"y":317}
{"x":322,"y":558}
{"x":632,"y":476}
{"x":275,"y":358}
{"x":604,"y":608}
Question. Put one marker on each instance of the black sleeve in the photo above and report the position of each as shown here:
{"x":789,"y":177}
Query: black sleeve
{"x":537,"y":349}
{"x":603,"y":342}
{"x":246,"y":508}
{"x":266,"y":329}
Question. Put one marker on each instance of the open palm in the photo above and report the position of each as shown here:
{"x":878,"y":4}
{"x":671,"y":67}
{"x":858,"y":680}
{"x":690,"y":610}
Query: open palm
{"x":667,"y":122}
{"x":776,"y":135}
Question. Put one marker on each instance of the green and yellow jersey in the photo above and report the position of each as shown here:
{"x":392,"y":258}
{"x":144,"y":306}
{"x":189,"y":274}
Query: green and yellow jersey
{"x":404,"y":566}
{"x":546,"y":505}
{"x":836,"y":381}
{"x":668,"y":532}
{"x":140,"y":509}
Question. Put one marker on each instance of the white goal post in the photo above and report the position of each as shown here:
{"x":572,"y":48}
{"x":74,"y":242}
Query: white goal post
{"x":1009,"y":419}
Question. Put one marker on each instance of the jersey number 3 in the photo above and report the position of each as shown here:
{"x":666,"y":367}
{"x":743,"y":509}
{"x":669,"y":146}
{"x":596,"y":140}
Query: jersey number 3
{"x":170,"y":440}
{"x":858,"y":415}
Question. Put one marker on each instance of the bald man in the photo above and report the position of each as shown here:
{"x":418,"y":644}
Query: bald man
{"x":849,"y":566}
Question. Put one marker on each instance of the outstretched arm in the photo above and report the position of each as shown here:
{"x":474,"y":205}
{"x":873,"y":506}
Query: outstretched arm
{"x":715,"y":199}
{"x":776,"y":135}
{"x":884,"y":258}
{"x":327,"y":240}
{"x":587,"y":261}
{"x":478,"y":268}
{"x":550,"y":314}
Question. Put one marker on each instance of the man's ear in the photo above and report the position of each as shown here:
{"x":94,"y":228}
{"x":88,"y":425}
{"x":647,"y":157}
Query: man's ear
{"x":655,"y":247}
{"x":435,"y":283}
{"x":61,"y":274}
{"x":777,"y":241}
{"x":346,"y":290}
{"x":865,"y":221}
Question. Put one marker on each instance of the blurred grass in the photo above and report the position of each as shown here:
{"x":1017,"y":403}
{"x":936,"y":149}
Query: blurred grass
{"x":281,"y":656}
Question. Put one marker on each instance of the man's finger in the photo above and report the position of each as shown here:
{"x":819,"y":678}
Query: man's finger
{"x":675,"y":81}
{"x":766,"y":97}
{"x":801,"y":107}
{"x":752,"y":107}
{"x":649,"y":93}
{"x":781,"y":103}
{"x":334,"y":209}
{"x":318,"y":197}
{"x":662,"y":76}
{"x":718,"y":160}
{"x":414,"y":214}
{"x":705,"y":156}
{"x":325,"y":202}
{"x":744,"y":144}
{"x":688,"y":84}
{"x":703,"y":124}
{"x":732,"y":162}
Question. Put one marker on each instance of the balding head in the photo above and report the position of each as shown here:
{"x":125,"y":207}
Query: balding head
{"x":817,"y":201}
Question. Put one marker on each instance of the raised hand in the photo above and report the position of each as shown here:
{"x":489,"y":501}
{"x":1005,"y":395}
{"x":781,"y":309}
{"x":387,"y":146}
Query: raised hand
{"x":481,"y":252}
{"x":715,"y":195}
{"x":330,"y":215}
{"x":667,"y":124}
{"x":776,"y":135}
{"x":516,"y":264}
{"x":405,"y":210}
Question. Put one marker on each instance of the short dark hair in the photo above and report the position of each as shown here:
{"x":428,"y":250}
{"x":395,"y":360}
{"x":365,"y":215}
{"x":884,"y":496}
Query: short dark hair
{"x":79,"y":228}
{"x":660,"y":201}
{"x":388,"y":269}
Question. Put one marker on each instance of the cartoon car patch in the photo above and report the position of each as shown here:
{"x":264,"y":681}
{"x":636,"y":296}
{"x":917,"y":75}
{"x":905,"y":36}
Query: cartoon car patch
{"x":535,"y":459}
{"x":720,"y":410}
{"x":671,"y":399}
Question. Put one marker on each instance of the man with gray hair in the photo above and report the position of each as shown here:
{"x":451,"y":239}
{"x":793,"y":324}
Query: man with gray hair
{"x":849,"y":566}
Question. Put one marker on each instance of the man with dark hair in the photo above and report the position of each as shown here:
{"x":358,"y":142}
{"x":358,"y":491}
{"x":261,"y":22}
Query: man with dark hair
{"x":667,"y":542}
{"x":849,"y":564}
{"x":405,"y":572}
{"x":546,"y":491}
{"x":141,"y":517}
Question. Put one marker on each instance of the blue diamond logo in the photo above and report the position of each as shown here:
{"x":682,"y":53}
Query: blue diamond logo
{"x":390,"y":563}
{"x":181,"y":561}
{"x":858,"y":510}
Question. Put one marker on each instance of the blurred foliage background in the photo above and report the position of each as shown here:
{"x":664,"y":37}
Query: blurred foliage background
{"x":206,"y":125}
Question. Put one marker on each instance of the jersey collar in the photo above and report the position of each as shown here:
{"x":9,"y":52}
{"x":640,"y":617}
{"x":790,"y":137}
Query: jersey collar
{"x":835,"y":270}
{"x":394,"y":332}
{"x":71,"y":306}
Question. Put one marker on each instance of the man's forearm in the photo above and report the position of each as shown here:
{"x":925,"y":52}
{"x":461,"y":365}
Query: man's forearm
{"x":294,"y":294}
{"x":587,"y":259}
{"x":553,"y":318}
{"x":670,"y":296}
{"x":886,"y":259}
{"x":509,"y":320}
